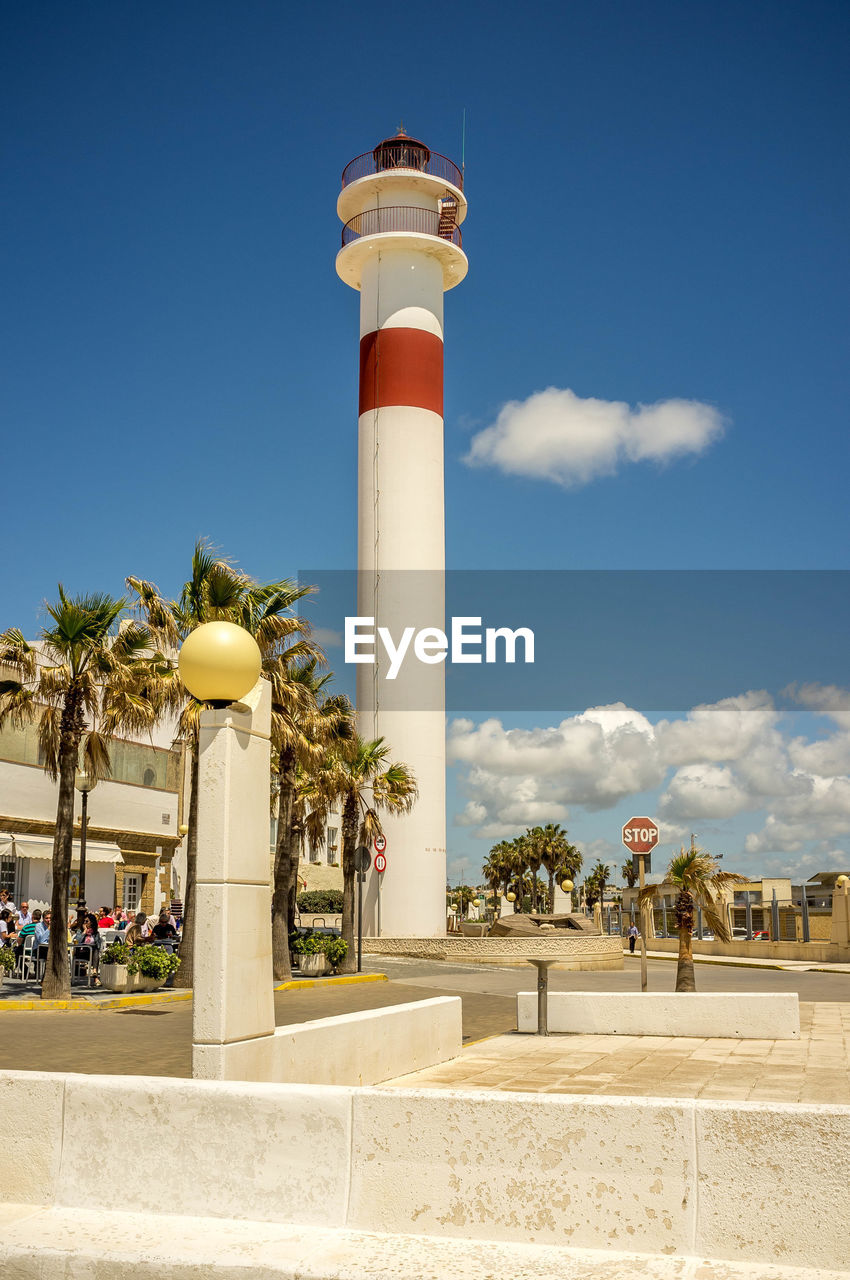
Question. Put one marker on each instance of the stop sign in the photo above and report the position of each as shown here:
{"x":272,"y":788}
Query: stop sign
{"x":640,"y":835}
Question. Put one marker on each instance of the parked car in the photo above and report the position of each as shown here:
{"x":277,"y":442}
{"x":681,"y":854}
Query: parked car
{"x":707,"y":935}
{"x":739,"y":935}
{"x":761,"y":935}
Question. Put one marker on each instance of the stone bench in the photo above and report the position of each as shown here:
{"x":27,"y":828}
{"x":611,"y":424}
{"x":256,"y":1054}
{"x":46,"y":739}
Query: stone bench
{"x":741,"y":1016}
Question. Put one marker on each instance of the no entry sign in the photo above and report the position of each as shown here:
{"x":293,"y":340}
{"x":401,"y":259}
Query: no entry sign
{"x":640,"y":835}
{"x":380,"y":843}
{"x":380,"y":862}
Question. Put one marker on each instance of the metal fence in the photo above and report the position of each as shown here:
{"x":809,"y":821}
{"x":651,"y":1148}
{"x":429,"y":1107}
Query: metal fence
{"x":402,"y":155}
{"x":425,"y":222}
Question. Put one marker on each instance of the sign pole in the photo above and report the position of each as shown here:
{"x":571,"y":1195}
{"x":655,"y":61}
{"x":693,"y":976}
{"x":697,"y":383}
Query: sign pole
{"x":360,"y":875}
{"x":642,"y":880}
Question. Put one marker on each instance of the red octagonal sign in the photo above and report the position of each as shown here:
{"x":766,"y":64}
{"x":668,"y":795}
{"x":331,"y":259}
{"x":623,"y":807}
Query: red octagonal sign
{"x":640,"y":835}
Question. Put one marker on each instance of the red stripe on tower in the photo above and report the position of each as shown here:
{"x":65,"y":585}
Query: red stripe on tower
{"x":401,"y":367}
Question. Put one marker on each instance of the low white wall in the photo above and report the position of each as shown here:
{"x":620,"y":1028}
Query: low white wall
{"x":813,"y":952}
{"x":759,"y":1182}
{"x":741,"y":1016}
{"x":354,"y":1048}
{"x":571,"y":949}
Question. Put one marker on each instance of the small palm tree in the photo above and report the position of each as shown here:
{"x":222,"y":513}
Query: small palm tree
{"x":357,"y":767}
{"x":596,"y":883}
{"x":558,"y":856}
{"x":699,"y":881}
{"x":629,"y":874}
{"x":85,"y":680}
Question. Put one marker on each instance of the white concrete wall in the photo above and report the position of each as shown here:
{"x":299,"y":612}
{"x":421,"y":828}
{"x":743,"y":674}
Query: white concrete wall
{"x":355,"y":1048}
{"x":27,"y":792}
{"x":749,"y":1182}
{"x":742,"y":1016}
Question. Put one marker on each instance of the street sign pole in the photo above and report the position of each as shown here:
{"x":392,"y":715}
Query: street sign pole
{"x":640,"y":836}
{"x":642,"y":917}
{"x":360,"y":875}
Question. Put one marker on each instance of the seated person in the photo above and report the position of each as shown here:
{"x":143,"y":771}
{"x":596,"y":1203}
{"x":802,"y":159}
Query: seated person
{"x":104,"y":919}
{"x":42,"y":930}
{"x":7,"y":927}
{"x":135,"y":933}
{"x":164,"y":931}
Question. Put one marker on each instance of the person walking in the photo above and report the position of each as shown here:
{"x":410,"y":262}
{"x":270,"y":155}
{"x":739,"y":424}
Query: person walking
{"x":633,"y":936}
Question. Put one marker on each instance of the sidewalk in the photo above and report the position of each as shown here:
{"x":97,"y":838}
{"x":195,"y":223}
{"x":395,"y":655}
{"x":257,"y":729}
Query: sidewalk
{"x":815,"y":1068}
{"x":748,"y":962}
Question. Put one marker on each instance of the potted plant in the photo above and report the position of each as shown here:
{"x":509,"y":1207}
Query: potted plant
{"x":149,"y":967}
{"x":114,"y":975}
{"x":311,"y":954}
{"x":336,"y":949}
{"x":7,"y":962}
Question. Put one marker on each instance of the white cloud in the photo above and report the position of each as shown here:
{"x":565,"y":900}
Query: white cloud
{"x":556,"y":435}
{"x":720,"y":761}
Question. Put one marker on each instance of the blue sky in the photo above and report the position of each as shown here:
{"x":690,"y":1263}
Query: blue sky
{"x":658,"y":199}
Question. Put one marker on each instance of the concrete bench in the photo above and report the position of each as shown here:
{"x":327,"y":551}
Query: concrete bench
{"x":744,"y":1016}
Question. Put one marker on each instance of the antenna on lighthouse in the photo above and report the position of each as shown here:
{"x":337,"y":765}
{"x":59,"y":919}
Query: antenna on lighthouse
{"x":463,"y":144}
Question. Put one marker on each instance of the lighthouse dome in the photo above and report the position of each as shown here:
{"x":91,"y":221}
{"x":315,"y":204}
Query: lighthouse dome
{"x":401,"y":152}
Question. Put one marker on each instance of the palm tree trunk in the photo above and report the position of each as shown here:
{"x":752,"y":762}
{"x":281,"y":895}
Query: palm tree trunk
{"x":57,"y":974}
{"x":349,"y":844}
{"x":296,"y":835}
{"x":186,"y":972}
{"x":551,"y":891}
{"x":685,"y":980}
{"x":281,"y":959}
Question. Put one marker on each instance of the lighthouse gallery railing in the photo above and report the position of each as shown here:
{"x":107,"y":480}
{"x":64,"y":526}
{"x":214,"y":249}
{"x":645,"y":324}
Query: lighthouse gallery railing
{"x":424,"y":222}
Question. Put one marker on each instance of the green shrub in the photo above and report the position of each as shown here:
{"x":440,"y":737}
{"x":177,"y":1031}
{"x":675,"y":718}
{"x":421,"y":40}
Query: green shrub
{"x":153,"y":962}
{"x":336,"y":949}
{"x":116,"y":953}
{"x":7,"y":959}
{"x":317,"y":901}
{"x":312,"y":944}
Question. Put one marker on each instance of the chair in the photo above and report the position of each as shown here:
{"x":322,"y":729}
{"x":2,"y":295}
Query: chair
{"x":26,"y":960}
{"x":84,"y":966}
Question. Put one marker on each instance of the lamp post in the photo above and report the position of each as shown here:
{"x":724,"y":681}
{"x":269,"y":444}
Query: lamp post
{"x":84,"y":782}
{"x":232,"y":1020}
{"x":567,"y":887}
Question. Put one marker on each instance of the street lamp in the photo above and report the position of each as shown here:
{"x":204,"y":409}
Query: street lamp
{"x":219,"y":663}
{"x":84,"y":782}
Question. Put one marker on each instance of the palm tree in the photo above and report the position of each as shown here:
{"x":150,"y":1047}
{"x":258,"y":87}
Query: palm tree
{"x":217,"y":591}
{"x":558,"y":856}
{"x":596,"y":883}
{"x":497,"y":871}
{"x":533,"y":860}
{"x":696,"y":875}
{"x":357,"y":767}
{"x":85,"y":680}
{"x":629,"y":874}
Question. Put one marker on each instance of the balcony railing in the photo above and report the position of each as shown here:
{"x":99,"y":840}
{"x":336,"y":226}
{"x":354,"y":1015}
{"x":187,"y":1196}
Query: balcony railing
{"x":423,"y":222}
{"x":402,"y":155}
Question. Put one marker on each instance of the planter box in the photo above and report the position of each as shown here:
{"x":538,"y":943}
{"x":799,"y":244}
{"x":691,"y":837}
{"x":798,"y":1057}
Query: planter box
{"x":140,"y":982}
{"x":735,"y":1016}
{"x":313,"y":964}
{"x":114,"y":977}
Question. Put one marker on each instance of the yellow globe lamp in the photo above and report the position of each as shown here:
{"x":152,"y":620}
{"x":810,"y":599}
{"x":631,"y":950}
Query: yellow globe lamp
{"x":183,"y":830}
{"x":842,"y":881}
{"x":511,"y":897}
{"x":567,"y":886}
{"x":219,"y":663}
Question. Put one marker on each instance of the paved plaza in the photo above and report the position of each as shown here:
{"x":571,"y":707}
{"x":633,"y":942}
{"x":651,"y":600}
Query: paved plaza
{"x":155,"y":1038}
{"x":815,"y":1068}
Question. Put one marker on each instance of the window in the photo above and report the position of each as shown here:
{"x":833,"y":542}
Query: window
{"x":333,"y":851}
{"x":314,"y":854}
{"x":132,"y":892}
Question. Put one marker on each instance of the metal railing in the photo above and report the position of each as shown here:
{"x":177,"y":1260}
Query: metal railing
{"x":402,"y":155}
{"x":424,"y":222}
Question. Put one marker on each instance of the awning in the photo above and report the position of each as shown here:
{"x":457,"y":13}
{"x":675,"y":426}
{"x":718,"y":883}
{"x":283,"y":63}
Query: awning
{"x":6,"y":843}
{"x":42,"y":847}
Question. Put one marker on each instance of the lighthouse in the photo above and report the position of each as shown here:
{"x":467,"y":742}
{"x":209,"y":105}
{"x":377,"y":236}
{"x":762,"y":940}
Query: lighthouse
{"x":401,"y":206}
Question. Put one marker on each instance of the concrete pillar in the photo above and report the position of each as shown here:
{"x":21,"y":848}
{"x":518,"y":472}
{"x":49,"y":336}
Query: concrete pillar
{"x":506,"y":908}
{"x":840,"y":929}
{"x":233,"y":995}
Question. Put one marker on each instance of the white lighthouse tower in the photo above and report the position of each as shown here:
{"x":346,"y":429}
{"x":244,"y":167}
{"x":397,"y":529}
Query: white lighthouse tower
{"x":402,"y":205}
